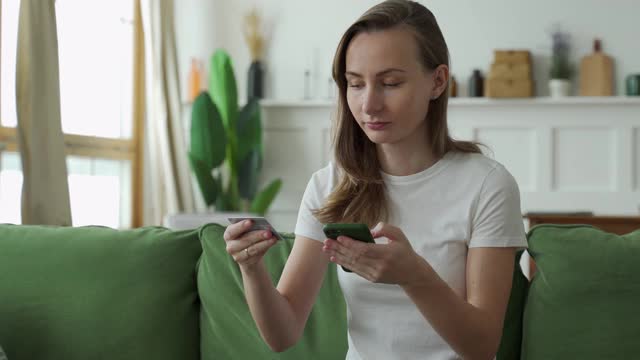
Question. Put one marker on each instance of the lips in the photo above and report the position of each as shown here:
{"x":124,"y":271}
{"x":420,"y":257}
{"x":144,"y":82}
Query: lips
{"x":377,"y":125}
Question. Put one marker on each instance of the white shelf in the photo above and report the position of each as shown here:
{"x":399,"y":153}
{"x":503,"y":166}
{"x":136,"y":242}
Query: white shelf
{"x":467,"y":101}
{"x":569,"y":100}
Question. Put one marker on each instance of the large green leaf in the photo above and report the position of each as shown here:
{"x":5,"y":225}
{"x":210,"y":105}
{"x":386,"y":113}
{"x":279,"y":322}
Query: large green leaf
{"x":248,"y":172}
{"x":209,"y":187}
{"x":222,"y":87}
{"x":261,"y":203}
{"x":249,"y":129}
{"x":208,"y":137}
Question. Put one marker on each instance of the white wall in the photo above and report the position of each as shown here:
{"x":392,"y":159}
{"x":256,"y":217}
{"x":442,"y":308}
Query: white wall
{"x":306,"y":32}
{"x":197,"y":33}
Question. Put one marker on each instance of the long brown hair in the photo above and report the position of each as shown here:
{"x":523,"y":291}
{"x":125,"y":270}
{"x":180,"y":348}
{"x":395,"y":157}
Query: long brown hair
{"x":360,"y":195}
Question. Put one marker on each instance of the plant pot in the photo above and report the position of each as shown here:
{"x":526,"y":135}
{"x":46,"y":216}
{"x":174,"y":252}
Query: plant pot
{"x":559,"y":88}
{"x":255,"y":78}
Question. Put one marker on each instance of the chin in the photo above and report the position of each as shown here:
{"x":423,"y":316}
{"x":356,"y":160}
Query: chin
{"x":380,"y":138}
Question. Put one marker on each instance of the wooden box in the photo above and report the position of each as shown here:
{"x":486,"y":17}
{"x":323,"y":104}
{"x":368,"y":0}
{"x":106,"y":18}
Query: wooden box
{"x":500,"y":88}
{"x":512,"y":56}
{"x":511,"y":71}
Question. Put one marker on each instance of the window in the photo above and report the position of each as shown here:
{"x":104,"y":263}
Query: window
{"x":96,"y":64}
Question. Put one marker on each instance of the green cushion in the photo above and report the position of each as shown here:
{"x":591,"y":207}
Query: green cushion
{"x":584,"y":300}
{"x":226,"y":326}
{"x":512,"y":329}
{"x":98,"y":293}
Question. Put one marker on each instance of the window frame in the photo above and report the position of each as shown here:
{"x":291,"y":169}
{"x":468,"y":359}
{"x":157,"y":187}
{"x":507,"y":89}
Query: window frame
{"x":109,"y":148}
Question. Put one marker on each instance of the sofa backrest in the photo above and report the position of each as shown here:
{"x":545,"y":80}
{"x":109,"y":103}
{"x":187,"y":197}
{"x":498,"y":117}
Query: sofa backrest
{"x":583,"y":300}
{"x":98,"y":293}
{"x":227,"y":328}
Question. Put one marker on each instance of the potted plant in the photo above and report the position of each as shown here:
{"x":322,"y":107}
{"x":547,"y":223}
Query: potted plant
{"x":222,"y":134}
{"x":561,"y":68}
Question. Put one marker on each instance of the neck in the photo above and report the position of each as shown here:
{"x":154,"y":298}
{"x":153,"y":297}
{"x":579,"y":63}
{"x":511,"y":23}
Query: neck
{"x":407,"y":157}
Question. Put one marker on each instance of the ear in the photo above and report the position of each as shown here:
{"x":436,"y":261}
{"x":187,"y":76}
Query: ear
{"x":440,"y":80}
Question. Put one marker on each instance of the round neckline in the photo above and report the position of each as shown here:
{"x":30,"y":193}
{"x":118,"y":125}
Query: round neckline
{"x":421,"y":175}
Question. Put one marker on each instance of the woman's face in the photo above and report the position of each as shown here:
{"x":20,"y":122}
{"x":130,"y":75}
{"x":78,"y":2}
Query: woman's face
{"x":388,"y":88}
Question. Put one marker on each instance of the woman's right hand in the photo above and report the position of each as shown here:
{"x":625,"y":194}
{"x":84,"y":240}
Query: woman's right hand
{"x":247,"y":248}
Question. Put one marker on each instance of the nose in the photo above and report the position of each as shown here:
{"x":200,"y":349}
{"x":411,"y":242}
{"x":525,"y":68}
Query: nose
{"x":372,"y":102}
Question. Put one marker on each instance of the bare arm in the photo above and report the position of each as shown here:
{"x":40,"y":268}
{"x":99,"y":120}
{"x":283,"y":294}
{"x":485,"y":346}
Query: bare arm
{"x":472,"y":326}
{"x":280,"y":313}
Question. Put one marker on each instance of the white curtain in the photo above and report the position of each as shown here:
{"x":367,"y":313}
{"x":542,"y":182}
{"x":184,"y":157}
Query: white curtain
{"x":169,"y":183}
{"x":45,"y":189}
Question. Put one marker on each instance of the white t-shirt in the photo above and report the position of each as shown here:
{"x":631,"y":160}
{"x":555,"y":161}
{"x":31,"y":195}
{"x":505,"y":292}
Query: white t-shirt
{"x":462,"y":201}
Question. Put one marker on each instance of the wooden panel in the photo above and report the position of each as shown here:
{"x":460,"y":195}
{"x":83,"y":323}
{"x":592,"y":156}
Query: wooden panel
{"x":80,"y":145}
{"x":614,"y":224}
{"x":137,"y":179}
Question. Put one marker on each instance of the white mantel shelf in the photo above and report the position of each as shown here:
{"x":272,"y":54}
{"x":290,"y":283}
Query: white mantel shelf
{"x":570,"y":100}
{"x":567,"y":154}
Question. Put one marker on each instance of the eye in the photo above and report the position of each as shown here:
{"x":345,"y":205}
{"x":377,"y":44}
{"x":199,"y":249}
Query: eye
{"x":391,"y":84}
{"x":355,"y":86}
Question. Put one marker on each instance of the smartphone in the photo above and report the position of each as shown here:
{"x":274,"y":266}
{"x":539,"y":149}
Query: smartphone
{"x":258,"y":223}
{"x":358,"y":232}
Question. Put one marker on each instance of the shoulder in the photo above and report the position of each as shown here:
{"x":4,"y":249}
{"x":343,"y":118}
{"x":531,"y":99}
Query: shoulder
{"x":323,"y":180}
{"x":483,"y":170}
{"x":475,"y":163}
{"x":324,"y":173}
{"x":479,"y":165}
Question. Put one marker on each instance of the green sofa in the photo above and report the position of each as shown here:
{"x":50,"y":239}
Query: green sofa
{"x":153,"y":293}
{"x":584,"y":300}
{"x":149,"y":293}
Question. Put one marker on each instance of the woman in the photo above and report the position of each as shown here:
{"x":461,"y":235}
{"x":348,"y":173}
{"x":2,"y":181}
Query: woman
{"x":438,"y":287}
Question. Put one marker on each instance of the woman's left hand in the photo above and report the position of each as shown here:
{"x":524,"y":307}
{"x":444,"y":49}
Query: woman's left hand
{"x":393,"y":263}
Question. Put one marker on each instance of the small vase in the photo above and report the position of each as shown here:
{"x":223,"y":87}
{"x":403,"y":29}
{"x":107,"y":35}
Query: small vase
{"x":195,"y":79}
{"x":633,"y":85}
{"x":256,"y":81}
{"x":559,"y":88}
{"x":453,"y":87}
{"x":476,"y":84}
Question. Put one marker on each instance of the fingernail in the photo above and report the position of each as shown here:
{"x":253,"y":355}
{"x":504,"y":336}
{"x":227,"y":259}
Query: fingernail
{"x":247,"y":222}
{"x":266,"y":235}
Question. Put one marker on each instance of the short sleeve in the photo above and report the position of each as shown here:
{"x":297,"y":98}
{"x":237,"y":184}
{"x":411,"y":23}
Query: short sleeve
{"x":307,"y":224}
{"x":497,"y":221}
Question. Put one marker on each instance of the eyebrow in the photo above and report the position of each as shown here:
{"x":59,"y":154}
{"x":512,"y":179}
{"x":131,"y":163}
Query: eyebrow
{"x":383,"y":72}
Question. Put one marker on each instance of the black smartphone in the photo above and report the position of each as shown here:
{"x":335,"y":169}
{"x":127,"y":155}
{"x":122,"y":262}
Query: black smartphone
{"x":358,"y":232}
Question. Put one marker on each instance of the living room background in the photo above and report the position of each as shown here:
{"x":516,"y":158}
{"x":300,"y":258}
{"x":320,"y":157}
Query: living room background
{"x":302,"y":36}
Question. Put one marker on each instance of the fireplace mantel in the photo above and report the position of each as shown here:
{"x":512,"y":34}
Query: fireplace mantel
{"x":568,"y":154}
